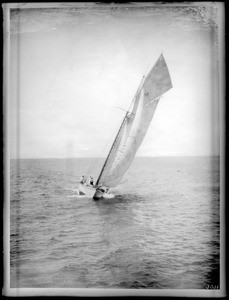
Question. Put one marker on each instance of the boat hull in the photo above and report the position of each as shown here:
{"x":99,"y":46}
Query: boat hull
{"x":90,"y":191}
{"x":87,"y":190}
{"x":99,"y":193}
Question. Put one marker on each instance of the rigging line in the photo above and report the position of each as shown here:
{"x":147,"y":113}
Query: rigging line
{"x":108,"y":156}
{"x":155,"y":63}
{"x":149,"y":68}
{"x":141,"y":82}
{"x":122,"y":124}
{"x":139,"y":87}
{"x":154,"y":100}
{"x":125,"y":110}
{"x":95,"y":164}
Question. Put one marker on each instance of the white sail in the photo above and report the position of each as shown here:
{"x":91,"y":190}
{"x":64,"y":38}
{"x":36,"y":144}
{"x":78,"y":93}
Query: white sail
{"x":135,"y":124}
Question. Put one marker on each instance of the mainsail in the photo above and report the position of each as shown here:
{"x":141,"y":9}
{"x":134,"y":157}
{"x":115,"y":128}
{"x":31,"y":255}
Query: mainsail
{"x":135,"y":124}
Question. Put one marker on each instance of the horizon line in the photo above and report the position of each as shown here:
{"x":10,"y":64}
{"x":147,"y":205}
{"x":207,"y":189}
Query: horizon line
{"x":103,"y":157}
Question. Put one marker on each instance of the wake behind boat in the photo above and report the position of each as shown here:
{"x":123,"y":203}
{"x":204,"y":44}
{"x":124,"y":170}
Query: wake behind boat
{"x":132,"y":130}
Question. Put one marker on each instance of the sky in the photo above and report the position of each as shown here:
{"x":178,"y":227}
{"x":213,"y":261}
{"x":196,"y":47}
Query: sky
{"x":70,"y":68}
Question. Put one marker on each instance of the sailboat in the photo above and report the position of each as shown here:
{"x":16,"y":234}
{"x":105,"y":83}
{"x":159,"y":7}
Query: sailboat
{"x":132,"y":130}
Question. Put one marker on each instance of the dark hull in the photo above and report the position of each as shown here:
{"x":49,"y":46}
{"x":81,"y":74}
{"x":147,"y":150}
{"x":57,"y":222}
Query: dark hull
{"x":100,"y":192}
{"x":98,"y":195}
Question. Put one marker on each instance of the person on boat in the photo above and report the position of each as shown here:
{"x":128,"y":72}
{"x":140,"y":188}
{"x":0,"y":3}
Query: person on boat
{"x":91,"y":181}
{"x":82,"y":180}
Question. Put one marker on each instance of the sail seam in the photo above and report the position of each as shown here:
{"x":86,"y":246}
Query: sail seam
{"x":154,"y":100}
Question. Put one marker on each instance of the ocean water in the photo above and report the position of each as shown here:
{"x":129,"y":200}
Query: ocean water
{"x":159,"y":229}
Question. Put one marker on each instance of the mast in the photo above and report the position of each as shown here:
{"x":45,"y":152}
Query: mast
{"x":123,"y":122}
{"x":111,"y":148}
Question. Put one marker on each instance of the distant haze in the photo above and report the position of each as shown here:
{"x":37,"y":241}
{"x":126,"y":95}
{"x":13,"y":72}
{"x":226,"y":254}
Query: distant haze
{"x":71,"y":68}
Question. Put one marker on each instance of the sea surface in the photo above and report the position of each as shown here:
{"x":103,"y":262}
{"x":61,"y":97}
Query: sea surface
{"x":159,"y":229}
